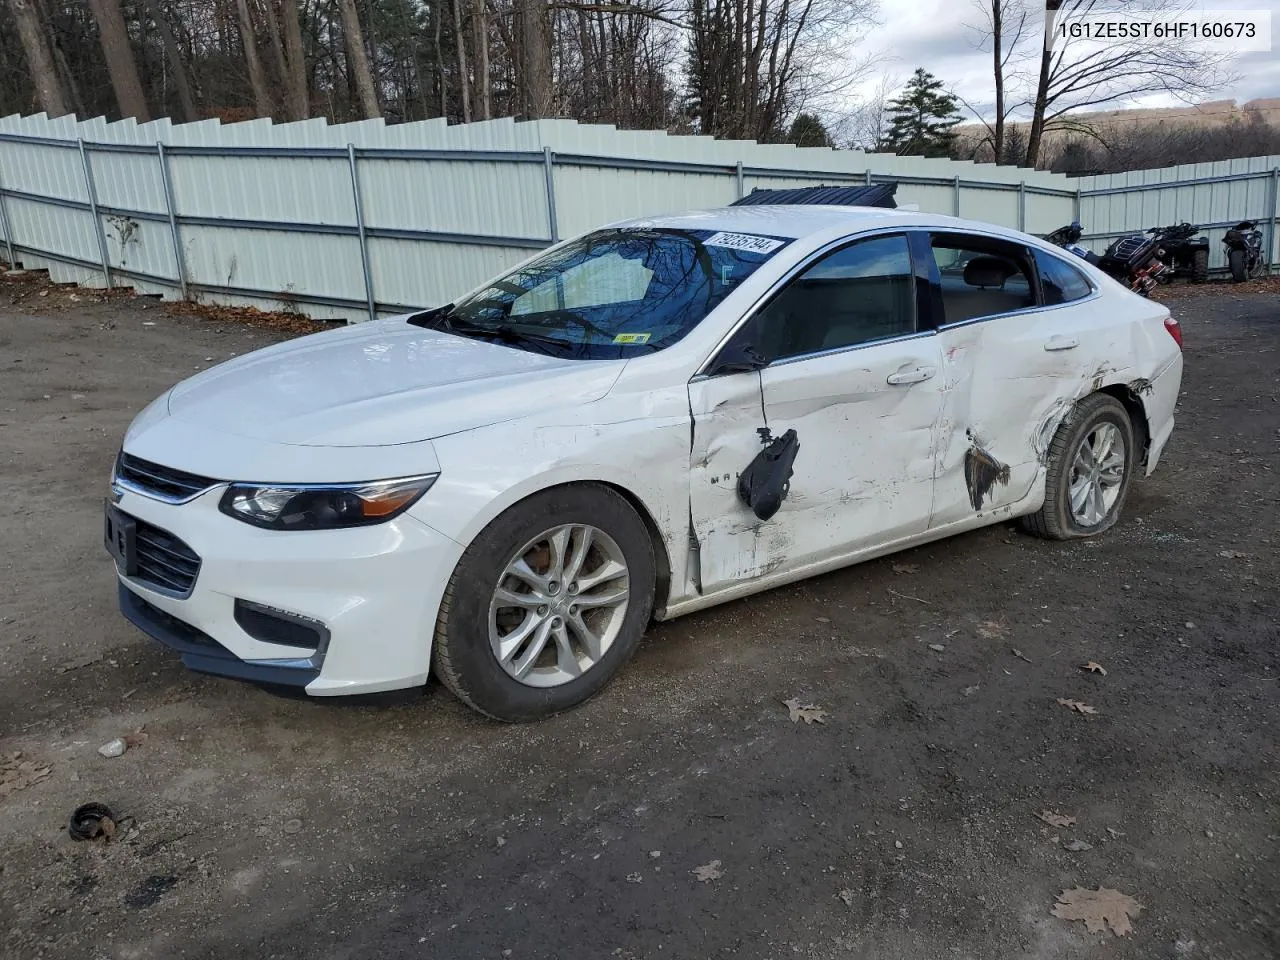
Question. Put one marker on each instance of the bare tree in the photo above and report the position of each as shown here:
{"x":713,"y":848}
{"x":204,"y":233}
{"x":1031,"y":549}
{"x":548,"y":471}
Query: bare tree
{"x":359,"y":59}
{"x":176,"y":62}
{"x":297,"y":97}
{"x":484,"y":81}
{"x":754,"y":63}
{"x":257,"y":75}
{"x":1075,"y":76}
{"x":1004,"y":27}
{"x":44,"y":73}
{"x":533,"y":22}
{"x":464,"y":84}
{"x":866,"y":126}
{"x":121,"y":66}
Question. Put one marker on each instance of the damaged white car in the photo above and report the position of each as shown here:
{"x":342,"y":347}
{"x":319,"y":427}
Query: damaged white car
{"x":637,"y":423}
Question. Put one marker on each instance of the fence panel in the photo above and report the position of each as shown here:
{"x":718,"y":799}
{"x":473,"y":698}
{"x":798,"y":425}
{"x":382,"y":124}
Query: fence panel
{"x":346,"y":221}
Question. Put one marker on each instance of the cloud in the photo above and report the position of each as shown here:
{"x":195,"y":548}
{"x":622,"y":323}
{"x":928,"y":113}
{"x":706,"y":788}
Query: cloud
{"x":939,"y":36}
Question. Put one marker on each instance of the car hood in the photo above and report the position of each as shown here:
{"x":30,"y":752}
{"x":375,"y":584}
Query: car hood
{"x":382,"y":383}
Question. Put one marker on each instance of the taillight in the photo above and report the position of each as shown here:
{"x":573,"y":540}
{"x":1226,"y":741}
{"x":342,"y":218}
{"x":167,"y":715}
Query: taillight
{"x":1175,"y":330}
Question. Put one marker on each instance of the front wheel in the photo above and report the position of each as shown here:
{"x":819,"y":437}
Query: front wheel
{"x":547,"y":603}
{"x":1237,"y":261}
{"x":1091,"y":463}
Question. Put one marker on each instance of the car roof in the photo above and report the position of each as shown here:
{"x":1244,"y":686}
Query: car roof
{"x":796,"y":220}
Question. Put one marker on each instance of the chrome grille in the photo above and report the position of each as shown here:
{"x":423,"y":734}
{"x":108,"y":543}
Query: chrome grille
{"x":162,"y":483}
{"x":164,"y":561}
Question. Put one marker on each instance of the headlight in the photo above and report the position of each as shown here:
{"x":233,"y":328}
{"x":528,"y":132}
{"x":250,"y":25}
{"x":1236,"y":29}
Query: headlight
{"x":322,"y":506}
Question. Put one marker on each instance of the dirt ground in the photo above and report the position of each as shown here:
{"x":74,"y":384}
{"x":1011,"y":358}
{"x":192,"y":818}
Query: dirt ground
{"x":904,"y":828}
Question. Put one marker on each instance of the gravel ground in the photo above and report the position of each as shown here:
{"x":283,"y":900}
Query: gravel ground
{"x":681,"y":813}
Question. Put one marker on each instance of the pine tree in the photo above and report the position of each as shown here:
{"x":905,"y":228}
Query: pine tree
{"x":922,"y":118}
{"x":809,"y":131}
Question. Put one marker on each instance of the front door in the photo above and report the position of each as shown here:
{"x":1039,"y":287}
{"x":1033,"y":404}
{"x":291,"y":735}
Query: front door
{"x":849,"y":370}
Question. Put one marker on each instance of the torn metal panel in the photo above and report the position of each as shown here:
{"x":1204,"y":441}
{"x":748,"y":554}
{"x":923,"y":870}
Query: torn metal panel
{"x":982,"y":472}
{"x":867,"y":420}
{"x":1011,"y":383}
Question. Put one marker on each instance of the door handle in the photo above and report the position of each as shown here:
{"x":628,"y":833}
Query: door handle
{"x":914,"y":375}
{"x":1061,"y":343}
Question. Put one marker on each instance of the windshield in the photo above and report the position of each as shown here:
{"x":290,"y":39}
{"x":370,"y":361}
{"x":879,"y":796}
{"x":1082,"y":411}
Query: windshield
{"x":610,"y":294}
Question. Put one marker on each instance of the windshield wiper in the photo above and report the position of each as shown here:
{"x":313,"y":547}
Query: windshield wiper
{"x":505,"y":335}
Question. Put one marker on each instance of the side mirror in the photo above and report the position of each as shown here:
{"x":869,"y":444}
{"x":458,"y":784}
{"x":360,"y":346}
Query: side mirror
{"x":766,"y":481}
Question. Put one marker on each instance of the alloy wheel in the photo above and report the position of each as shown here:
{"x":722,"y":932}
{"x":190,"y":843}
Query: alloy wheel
{"x":1097,"y":472}
{"x":559,"y":605}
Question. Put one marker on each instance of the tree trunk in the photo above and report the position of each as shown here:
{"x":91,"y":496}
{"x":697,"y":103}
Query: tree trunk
{"x":997,"y":30}
{"x":480,"y":31}
{"x":464,"y":91}
{"x":535,"y":58}
{"x":44,"y":75}
{"x":440,"y":72}
{"x":1036,"y":133}
{"x":121,"y":66}
{"x":359,"y":59}
{"x":257,"y":76}
{"x":185,"y":100}
{"x":297,"y":100}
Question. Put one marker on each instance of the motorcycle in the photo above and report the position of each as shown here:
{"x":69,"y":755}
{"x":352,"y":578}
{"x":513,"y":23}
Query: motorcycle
{"x":1135,"y":261}
{"x":1243,"y":243}
{"x":1186,"y":254}
{"x":1068,"y":238}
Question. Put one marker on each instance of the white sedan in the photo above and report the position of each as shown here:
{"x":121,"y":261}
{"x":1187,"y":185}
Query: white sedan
{"x":641,"y":422}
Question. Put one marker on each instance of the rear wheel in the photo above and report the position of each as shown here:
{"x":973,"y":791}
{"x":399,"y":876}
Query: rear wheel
{"x":546,"y":604}
{"x":1091,"y":464}
{"x":1236,"y":261}
{"x":1200,"y":266}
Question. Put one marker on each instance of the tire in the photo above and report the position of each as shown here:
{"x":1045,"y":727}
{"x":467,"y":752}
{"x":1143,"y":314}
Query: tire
{"x":473,"y":622}
{"x":1057,"y":520}
{"x":1199,"y":266}
{"x":1237,"y":262}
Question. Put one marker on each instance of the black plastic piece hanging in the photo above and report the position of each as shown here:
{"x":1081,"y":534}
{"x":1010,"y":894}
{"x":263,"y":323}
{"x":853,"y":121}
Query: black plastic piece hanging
{"x":764,"y":484}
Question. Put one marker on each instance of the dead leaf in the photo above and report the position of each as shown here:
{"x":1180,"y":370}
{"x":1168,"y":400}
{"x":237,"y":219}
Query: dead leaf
{"x":1094,"y":668}
{"x":1234,"y":555}
{"x":1077,"y":706}
{"x":991,"y":629}
{"x":1056,"y":819}
{"x":1099,"y":909}
{"x":1077,"y":846}
{"x":708,"y":872}
{"x":847,"y":897}
{"x":1114,"y":832}
{"x":18,"y":774}
{"x":808,"y":712}
{"x":135,"y":739}
{"x":906,"y":568}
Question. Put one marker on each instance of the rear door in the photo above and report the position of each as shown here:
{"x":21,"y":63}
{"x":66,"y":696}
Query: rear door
{"x":1020,"y":343}
{"x":852,"y":372}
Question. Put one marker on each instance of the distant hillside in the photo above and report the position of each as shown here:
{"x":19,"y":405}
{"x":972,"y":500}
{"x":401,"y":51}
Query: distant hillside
{"x":1211,"y":114}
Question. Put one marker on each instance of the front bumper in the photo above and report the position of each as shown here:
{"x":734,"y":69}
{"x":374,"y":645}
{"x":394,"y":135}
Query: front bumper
{"x":372,"y":594}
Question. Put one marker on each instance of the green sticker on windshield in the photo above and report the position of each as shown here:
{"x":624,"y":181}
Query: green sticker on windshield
{"x":631,"y":338}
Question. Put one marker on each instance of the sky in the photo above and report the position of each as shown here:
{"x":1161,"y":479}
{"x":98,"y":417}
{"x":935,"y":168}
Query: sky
{"x":938,"y":35}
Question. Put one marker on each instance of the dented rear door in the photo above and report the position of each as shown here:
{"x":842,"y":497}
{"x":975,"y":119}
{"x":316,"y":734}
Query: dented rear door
{"x":1009,"y":380}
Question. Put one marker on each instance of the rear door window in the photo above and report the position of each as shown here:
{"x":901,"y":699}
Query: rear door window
{"x":1060,"y":282}
{"x":981,"y":277}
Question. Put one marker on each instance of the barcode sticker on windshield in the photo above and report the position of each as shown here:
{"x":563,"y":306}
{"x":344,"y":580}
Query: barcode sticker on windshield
{"x":743,"y":241}
{"x":631,"y":338}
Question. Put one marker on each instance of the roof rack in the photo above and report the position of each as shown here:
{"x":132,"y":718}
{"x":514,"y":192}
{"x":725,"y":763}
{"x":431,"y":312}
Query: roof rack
{"x":876,"y":195}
